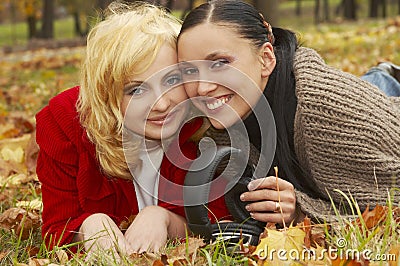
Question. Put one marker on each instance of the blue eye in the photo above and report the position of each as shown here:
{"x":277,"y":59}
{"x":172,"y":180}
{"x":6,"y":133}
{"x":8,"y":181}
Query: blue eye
{"x":220,"y":63}
{"x":173,"y":80}
{"x":137,"y":90}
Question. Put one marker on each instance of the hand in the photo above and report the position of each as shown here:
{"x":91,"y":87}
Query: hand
{"x":99,"y":233}
{"x":264,"y":195}
{"x":149,"y":230}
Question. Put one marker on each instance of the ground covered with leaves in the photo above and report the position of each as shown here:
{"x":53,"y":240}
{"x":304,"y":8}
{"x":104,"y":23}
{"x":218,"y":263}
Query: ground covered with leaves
{"x":27,"y":81}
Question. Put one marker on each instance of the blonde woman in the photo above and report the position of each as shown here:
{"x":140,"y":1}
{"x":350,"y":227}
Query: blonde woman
{"x":88,"y":189}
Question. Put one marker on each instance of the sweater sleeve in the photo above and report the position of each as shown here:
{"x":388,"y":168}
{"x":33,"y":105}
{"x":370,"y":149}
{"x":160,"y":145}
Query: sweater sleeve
{"x":73,"y":186}
{"x":346,"y":135}
{"x":57,"y":168}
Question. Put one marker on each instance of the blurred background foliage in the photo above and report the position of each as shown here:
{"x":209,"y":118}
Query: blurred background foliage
{"x":42,"y":41}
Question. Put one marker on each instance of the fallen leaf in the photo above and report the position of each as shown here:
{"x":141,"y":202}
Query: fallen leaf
{"x":278,"y":245}
{"x":31,"y":153}
{"x":181,"y":253}
{"x":38,"y":262}
{"x":16,"y":155}
{"x":395,"y":250}
{"x":62,"y":256}
{"x":3,"y":254}
{"x":20,"y":221}
{"x":35,"y":204}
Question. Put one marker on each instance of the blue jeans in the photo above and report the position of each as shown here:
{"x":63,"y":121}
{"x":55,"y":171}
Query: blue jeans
{"x":383,"y":80}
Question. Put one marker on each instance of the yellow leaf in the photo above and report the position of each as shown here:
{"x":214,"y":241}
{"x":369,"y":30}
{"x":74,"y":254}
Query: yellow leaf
{"x":281,"y":247}
{"x":16,"y":155}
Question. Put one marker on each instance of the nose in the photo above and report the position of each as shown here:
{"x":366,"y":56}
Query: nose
{"x":205,"y":88}
{"x":162,"y":103}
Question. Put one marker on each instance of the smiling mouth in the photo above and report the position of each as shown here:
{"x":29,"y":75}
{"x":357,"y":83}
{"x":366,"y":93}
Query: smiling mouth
{"x":161,"y":120}
{"x":218,"y":102}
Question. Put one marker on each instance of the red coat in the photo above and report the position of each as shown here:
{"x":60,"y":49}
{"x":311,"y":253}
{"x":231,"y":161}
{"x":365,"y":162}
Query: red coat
{"x":73,"y":187}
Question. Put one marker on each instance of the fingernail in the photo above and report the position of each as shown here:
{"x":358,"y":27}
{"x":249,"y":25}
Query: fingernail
{"x":250,"y":186}
{"x":242,"y":197}
{"x":247,"y":207}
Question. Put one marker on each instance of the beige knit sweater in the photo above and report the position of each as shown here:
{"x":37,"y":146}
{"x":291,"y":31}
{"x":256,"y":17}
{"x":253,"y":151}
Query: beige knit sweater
{"x":346,"y":135}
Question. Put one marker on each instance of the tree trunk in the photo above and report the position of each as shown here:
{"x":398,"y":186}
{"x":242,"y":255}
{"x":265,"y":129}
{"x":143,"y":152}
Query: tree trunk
{"x":270,"y":10}
{"x":316,"y":12}
{"x":298,"y":8}
{"x":48,"y":20}
{"x":326,"y":10}
{"x":189,"y":7}
{"x":384,"y":8}
{"x":350,"y":7}
{"x":373,"y":8}
{"x":31,"y":20}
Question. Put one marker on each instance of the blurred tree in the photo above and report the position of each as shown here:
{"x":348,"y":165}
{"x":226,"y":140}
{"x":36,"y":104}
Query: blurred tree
{"x":47,"y":31}
{"x":349,"y":8}
{"x":325,"y":14}
{"x":374,"y":8}
{"x":189,"y":7}
{"x":270,"y":10}
{"x":298,"y":7}
{"x":81,"y":11}
{"x":31,"y":10}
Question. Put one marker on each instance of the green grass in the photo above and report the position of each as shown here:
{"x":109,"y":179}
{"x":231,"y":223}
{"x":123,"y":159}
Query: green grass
{"x":17,"y":34}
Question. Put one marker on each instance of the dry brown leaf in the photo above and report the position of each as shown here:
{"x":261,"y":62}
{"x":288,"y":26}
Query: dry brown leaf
{"x":189,"y":248}
{"x":38,"y":262}
{"x":32,"y":250}
{"x":395,"y":250}
{"x":20,"y":221}
{"x":307,"y":229}
{"x":31,"y":153}
{"x":374,"y":217}
{"x":181,"y":253}
{"x":3,"y":254}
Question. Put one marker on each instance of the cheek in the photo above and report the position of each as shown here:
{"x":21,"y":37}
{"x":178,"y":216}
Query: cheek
{"x":179,"y":94}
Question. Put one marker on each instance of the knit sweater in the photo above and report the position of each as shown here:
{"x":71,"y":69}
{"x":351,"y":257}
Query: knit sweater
{"x":346,"y":137}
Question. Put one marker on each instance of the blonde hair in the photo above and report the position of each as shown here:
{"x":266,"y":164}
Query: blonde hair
{"x":124,"y":44}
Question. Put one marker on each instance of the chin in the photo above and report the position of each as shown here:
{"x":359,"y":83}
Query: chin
{"x":218,"y":125}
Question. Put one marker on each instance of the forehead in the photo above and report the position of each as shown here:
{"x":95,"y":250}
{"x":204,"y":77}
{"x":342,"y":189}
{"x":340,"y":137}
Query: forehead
{"x":165,"y":58}
{"x":207,"y":38}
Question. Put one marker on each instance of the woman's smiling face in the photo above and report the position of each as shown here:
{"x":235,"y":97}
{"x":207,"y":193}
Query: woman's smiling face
{"x":231,"y":75}
{"x":154,"y":101}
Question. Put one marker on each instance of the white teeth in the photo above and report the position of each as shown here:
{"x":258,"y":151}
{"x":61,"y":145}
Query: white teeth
{"x":217,"y":103}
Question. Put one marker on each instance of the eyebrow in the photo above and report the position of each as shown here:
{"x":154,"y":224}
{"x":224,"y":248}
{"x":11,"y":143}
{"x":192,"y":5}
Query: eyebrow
{"x":214,"y":54}
{"x":132,"y":83}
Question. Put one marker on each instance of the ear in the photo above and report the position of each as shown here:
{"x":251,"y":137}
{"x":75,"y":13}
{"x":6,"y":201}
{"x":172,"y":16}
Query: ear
{"x":267,"y":59}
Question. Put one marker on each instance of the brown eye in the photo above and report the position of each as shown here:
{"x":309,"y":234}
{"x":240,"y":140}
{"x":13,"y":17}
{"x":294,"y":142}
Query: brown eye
{"x":220,"y":63}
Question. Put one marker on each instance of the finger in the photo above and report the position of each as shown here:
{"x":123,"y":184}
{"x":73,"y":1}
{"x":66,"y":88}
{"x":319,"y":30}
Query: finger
{"x":269,"y":182}
{"x":262,"y":206}
{"x":268,"y":194}
{"x":273,"y":217}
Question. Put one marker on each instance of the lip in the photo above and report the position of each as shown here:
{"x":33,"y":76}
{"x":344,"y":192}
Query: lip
{"x":214,"y":104}
{"x":162,"y":119}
